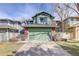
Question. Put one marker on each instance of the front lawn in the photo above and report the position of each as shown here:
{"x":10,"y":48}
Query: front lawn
{"x":71,"y":46}
{"x":9,"y":48}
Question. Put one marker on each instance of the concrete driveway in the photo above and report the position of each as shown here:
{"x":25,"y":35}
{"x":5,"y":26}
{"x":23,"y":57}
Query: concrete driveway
{"x":41,"y":49}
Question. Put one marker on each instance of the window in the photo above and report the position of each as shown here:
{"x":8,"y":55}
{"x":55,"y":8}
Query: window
{"x":31,"y":22}
{"x":43,"y":20}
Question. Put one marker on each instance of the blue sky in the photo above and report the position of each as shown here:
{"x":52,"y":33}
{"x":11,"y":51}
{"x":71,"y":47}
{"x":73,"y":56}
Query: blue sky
{"x":24,"y":10}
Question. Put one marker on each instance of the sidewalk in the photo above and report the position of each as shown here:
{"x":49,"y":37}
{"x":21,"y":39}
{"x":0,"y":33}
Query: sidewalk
{"x":42,"y":49}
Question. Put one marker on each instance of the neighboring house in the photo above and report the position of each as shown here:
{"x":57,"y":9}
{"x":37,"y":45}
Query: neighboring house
{"x":8,"y":29}
{"x":41,"y":25}
{"x":71,"y":25}
{"x":17,"y":24}
{"x":25,"y":22}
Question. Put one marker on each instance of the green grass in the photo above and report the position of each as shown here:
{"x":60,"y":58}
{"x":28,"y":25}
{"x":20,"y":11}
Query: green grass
{"x":71,"y":46}
{"x":6,"y":48}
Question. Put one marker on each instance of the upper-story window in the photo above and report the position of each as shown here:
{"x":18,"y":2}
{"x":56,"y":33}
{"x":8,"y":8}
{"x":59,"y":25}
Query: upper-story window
{"x":43,"y":20}
{"x":31,"y":22}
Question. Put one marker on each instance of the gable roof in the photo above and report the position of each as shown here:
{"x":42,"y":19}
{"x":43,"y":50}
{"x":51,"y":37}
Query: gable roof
{"x":43,"y":13}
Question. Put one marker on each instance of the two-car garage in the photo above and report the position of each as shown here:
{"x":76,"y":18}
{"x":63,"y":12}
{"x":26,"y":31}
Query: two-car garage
{"x":39,"y":33}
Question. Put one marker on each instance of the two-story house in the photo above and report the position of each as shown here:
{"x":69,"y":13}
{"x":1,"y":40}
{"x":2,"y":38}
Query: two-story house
{"x":8,"y":29}
{"x":71,"y":25}
{"x":40,"y":26}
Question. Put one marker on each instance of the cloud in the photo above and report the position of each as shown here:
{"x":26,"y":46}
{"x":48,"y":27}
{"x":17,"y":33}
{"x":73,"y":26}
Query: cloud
{"x":22,"y":10}
{"x":31,"y":9}
{"x":28,"y":11}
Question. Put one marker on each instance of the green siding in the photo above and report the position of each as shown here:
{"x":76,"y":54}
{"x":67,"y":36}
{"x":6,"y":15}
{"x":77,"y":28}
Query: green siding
{"x":40,"y":29}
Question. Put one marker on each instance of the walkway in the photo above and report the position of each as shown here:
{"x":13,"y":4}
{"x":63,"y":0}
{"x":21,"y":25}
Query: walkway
{"x":41,"y":49}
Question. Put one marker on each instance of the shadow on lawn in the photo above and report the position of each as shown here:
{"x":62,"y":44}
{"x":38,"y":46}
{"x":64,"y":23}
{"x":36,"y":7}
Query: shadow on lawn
{"x":74,"y":50}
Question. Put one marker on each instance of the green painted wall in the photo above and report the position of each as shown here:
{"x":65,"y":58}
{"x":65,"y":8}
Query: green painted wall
{"x":39,"y":29}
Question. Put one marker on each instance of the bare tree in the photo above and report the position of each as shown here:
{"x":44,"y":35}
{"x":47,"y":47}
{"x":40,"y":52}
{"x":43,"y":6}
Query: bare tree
{"x":65,"y":10}
{"x":72,"y":7}
{"x":62,"y":12}
{"x":77,"y":5}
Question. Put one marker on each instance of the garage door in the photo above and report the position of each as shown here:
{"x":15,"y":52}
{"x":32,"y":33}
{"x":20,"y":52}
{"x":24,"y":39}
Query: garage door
{"x":39,"y":34}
